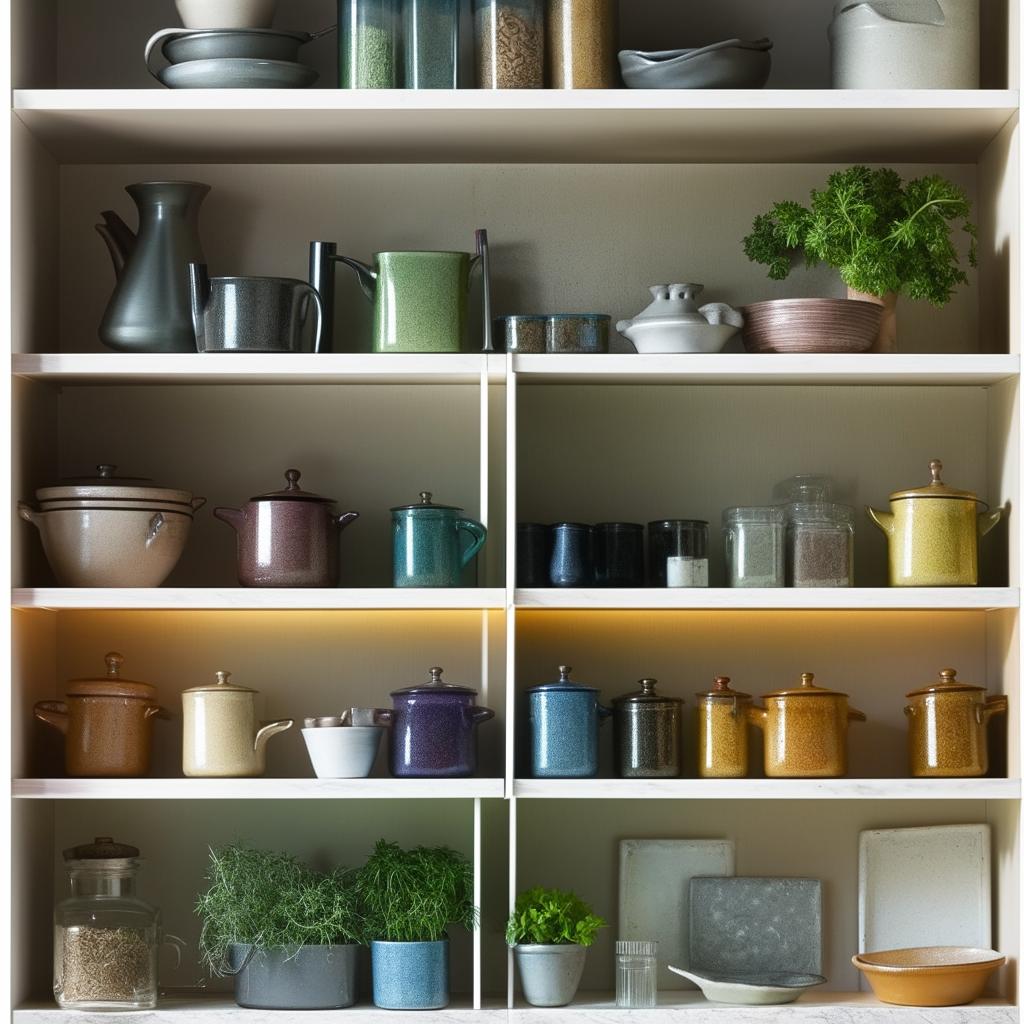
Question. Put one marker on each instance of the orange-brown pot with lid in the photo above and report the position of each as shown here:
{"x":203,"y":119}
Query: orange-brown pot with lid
{"x":107,"y":723}
{"x":804,"y":731}
{"x":947,"y":728}
{"x":722,"y":747}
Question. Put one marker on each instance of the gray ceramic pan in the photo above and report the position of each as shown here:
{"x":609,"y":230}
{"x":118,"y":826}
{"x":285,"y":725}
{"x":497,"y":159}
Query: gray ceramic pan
{"x":730,"y":64}
{"x":182,"y":45}
{"x":237,"y":73}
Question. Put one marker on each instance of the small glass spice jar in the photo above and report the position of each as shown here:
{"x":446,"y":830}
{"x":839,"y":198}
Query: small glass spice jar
{"x":722,"y":743}
{"x":819,"y":545}
{"x":678,"y":553}
{"x":619,"y":555}
{"x":368,"y":41}
{"x":581,"y":44}
{"x":105,"y":939}
{"x":636,"y":974}
{"x":509,"y":43}
{"x":526,"y":333}
{"x":430,"y":34}
{"x":755,"y":546}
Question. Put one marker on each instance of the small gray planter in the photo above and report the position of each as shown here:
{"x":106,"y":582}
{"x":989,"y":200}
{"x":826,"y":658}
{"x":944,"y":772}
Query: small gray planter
{"x":550,"y":974}
{"x":302,"y":978}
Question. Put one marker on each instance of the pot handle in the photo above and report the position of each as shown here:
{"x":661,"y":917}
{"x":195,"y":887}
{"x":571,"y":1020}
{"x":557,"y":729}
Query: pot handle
{"x":271,"y":729}
{"x":232,"y":516}
{"x":156,"y":524}
{"x":996,"y":705}
{"x":478,"y":715}
{"x":384,"y":716}
{"x":909,"y":710}
{"x":52,"y":712}
{"x":757,"y":715}
{"x":603,"y":714}
{"x":478,"y":531}
{"x":197,"y":504}
{"x":344,"y":519}
{"x":157,"y":37}
{"x":156,"y":711}
{"x":853,"y":715}
{"x":28,"y":513}
{"x":986,"y":520}
{"x":302,"y":312}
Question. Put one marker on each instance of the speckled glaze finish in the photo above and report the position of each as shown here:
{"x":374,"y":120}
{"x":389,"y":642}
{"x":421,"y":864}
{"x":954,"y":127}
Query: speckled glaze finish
{"x":722,"y":737}
{"x":288,"y":538}
{"x":221,"y":738}
{"x":410,"y":975}
{"x":572,"y":555}
{"x":564,"y":722}
{"x":426,"y":544}
{"x":933,"y":534}
{"x":648,"y":733}
{"x":107,"y":724}
{"x":947,"y":731}
{"x":804,"y":731}
{"x":525,"y":334}
{"x":578,"y":332}
{"x":433,"y":730}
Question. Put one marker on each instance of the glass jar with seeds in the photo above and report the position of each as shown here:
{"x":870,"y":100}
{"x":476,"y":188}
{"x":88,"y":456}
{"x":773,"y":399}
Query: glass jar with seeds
{"x":430,"y":44}
{"x":755,"y":546}
{"x":368,"y":41}
{"x":819,"y":545}
{"x":509,"y":43}
{"x":105,"y":939}
{"x":581,"y":46}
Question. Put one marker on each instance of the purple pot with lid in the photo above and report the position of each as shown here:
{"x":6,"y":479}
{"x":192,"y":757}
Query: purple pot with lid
{"x":433,"y":732}
{"x":287,"y":538}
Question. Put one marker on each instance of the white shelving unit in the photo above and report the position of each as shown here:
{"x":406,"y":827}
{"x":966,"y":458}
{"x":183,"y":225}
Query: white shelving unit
{"x":588,"y":197}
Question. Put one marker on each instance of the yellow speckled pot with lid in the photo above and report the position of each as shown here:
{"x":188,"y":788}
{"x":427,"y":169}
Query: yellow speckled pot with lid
{"x":722,"y":747}
{"x":804,"y":731}
{"x":933,"y":534}
{"x":947,"y":728}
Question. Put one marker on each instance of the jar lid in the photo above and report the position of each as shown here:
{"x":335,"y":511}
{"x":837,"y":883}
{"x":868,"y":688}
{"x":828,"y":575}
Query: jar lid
{"x":221,"y":686}
{"x":753,"y":514}
{"x":436,"y":685}
{"x":427,"y":501}
{"x":947,"y":684}
{"x":935,"y":489}
{"x":675,"y":302}
{"x":101,"y":848}
{"x":722,"y":689}
{"x":648,"y":694}
{"x":110,"y":487}
{"x":805,"y":689}
{"x":293,"y":492}
{"x":111,"y":685}
{"x":677,"y":522}
{"x":564,"y":683}
{"x":810,"y":487}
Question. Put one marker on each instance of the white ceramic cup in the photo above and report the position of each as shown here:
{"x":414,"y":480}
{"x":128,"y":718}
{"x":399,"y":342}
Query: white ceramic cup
{"x":207,"y":14}
{"x":343,"y":752}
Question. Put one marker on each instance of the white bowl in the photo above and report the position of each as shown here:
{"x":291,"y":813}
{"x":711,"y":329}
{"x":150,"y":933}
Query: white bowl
{"x":658,"y":337}
{"x":206,"y":14}
{"x":344,"y":751}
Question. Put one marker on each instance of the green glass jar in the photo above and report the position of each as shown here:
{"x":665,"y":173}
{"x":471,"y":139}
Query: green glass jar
{"x":368,"y":41}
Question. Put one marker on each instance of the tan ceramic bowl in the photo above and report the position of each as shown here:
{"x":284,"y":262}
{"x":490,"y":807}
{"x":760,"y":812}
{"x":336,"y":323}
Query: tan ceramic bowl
{"x":929,"y":975}
{"x":810,"y":325}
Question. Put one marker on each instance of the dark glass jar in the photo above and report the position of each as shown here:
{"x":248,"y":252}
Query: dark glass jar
{"x":572,"y":555}
{"x":533,"y":555}
{"x":619,"y":555}
{"x":678,"y":553}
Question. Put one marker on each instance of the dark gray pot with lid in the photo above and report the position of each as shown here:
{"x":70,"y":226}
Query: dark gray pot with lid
{"x":648,"y":733}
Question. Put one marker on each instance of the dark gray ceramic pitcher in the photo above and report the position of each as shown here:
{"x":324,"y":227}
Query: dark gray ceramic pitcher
{"x":151,"y":308}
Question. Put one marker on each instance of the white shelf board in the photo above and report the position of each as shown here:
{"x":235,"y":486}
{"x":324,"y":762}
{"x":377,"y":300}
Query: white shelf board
{"x":737,"y":368}
{"x":769,"y":598}
{"x":258,"y":789}
{"x":768,"y":789}
{"x":517,"y":126}
{"x":269,"y":598}
{"x":257,"y":368}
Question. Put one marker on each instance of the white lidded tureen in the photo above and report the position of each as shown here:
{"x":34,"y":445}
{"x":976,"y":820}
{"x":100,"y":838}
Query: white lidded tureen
{"x":673,"y":323}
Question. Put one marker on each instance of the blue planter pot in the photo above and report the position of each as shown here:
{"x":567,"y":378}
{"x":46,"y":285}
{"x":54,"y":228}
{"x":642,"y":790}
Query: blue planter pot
{"x":410,"y":975}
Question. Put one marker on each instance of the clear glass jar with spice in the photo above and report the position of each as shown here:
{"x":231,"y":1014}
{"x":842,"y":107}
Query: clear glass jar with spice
{"x":819,"y":545}
{"x":755,"y":546}
{"x":430,"y":44}
{"x":509,"y":43}
{"x":722,"y":739}
{"x":368,"y":41}
{"x":581,"y":44}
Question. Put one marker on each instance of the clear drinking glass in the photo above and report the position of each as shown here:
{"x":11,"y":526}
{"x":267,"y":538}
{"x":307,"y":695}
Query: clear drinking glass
{"x":368,"y":41}
{"x":430,"y":42}
{"x":509,"y":43}
{"x":636,"y":974}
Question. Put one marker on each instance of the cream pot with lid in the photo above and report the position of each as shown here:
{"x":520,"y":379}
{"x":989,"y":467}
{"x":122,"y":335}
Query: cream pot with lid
{"x":221,"y":736}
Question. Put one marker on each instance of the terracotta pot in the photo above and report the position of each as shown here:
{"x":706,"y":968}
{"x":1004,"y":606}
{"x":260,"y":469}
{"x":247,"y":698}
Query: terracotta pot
{"x":107,"y":723}
{"x":804,"y":731}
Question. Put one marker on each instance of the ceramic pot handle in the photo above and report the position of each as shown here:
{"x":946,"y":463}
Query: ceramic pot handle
{"x":155,"y":711}
{"x":198,"y":503}
{"x":603,"y":714}
{"x":997,"y":705}
{"x":853,"y":715}
{"x":232,"y":516}
{"x":757,"y":715}
{"x":302,"y":312}
{"x":52,"y":712}
{"x":271,"y":729}
{"x":477,"y":715}
{"x":157,"y":37}
{"x":384,"y":716}
{"x":986,"y":520}
{"x":28,"y":513}
{"x":478,"y":531}
{"x":344,"y":519}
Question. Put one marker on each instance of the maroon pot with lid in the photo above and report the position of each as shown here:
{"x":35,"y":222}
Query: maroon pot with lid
{"x":287,"y":538}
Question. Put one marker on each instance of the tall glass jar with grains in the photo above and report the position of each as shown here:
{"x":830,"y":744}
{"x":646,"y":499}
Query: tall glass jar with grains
{"x":581,"y":44}
{"x":368,"y":40}
{"x":430,"y":44}
{"x":509,"y":43}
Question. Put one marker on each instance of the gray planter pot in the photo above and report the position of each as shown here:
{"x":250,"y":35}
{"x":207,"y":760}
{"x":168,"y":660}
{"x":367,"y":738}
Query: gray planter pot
{"x":302,"y":978}
{"x":410,"y":975}
{"x":550,"y":974}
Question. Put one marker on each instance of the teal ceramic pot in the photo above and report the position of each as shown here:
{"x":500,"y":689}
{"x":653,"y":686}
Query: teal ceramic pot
{"x":564,"y":722}
{"x":410,"y":975}
{"x":428,"y":549}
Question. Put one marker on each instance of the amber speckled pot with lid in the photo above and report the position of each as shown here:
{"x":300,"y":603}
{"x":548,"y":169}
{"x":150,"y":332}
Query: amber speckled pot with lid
{"x":722,"y":742}
{"x":933,"y":533}
{"x":107,"y":723}
{"x":648,"y":733}
{"x":805,"y":730}
{"x":947,"y":728}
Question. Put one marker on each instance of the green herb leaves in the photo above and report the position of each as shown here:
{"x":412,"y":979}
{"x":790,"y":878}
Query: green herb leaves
{"x":552,"y":917}
{"x":880,"y":234}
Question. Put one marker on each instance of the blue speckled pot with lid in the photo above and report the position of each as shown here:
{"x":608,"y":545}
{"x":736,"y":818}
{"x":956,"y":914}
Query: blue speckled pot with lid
{"x":564,"y":721}
{"x":433,"y":731}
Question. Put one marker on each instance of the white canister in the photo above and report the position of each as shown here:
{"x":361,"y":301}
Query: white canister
{"x":221,"y":738}
{"x":905,"y":44}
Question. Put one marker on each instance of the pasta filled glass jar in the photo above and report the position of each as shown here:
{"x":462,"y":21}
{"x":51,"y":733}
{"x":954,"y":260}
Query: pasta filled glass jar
{"x":509,"y":43}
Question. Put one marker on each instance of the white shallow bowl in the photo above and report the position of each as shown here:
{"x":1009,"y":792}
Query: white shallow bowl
{"x":652,"y":338}
{"x":226,"y":13}
{"x":343,"y":752}
{"x":751,"y":989}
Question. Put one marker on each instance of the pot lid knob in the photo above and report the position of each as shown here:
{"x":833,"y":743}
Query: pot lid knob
{"x":435,"y":676}
{"x":647,"y":687}
{"x":563,"y":673}
{"x":222,"y":678}
{"x":426,"y":497}
{"x":936,"y":467}
{"x":114,"y":662}
{"x":292,"y":476}
{"x":722,"y":683}
{"x":807,"y":679}
{"x":948,"y":675}
{"x":105,"y":471}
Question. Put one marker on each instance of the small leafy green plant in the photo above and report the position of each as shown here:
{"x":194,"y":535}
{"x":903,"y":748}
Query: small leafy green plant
{"x":882,"y":234}
{"x":552,"y":917}
{"x":414,"y":895}
{"x":271,"y":901}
